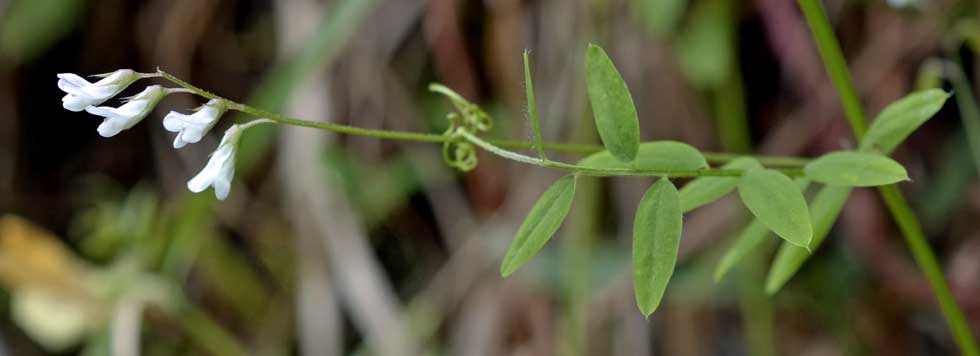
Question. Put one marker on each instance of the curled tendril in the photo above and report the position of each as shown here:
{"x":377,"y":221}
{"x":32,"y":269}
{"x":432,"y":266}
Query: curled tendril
{"x":460,"y":155}
{"x":468,"y":117}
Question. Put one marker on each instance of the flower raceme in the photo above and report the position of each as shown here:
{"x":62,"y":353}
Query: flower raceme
{"x":82,"y":95}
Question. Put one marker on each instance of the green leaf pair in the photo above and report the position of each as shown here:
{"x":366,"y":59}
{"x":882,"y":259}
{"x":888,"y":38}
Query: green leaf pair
{"x":656,"y":236}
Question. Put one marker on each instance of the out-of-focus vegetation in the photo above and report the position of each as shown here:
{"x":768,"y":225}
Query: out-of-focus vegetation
{"x":350,"y":245}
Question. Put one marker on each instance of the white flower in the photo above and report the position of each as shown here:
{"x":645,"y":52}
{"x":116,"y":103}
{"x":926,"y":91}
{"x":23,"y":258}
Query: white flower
{"x":220,"y":170}
{"x":129,"y":114}
{"x":191,"y":128}
{"x":82,"y":94}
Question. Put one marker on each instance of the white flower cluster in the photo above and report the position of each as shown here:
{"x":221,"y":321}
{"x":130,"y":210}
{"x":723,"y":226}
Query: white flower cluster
{"x":84,"y":95}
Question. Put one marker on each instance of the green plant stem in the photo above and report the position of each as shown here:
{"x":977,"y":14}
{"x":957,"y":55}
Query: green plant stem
{"x":606,"y":172}
{"x":833,"y":60}
{"x":926,"y":259}
{"x":713,"y":157}
{"x":907,"y":222}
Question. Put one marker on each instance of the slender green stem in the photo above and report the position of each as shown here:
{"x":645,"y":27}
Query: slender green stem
{"x":774,"y":161}
{"x":835,"y":63}
{"x":926,"y":259}
{"x":605,"y":172}
{"x":914,"y":236}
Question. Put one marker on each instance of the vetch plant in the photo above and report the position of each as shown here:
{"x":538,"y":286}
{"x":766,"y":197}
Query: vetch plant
{"x":771,"y":188}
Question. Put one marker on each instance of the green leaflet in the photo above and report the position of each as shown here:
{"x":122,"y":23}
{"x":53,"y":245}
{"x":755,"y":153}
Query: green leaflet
{"x":855,"y":169}
{"x":824,"y":209}
{"x":541,"y":223}
{"x":612,"y":106}
{"x":899,"y":119}
{"x":532,"y":106}
{"x":703,"y":190}
{"x":750,"y":237}
{"x":659,"y":155}
{"x":777,"y":202}
{"x":656,"y":238}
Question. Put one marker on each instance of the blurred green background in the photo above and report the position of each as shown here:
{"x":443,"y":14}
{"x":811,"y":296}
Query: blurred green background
{"x":334,"y":245}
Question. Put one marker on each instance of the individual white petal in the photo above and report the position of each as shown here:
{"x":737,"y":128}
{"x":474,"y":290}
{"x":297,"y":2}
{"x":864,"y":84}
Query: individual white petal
{"x":174,"y":121}
{"x":103,"y":111}
{"x":192,"y":134}
{"x":111,"y":127}
{"x":75,"y":79}
{"x":75,"y":103}
{"x":222,"y":184}
{"x":218,"y":173}
{"x":179,"y":141}
{"x":203,"y":180}
{"x":72,"y":83}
